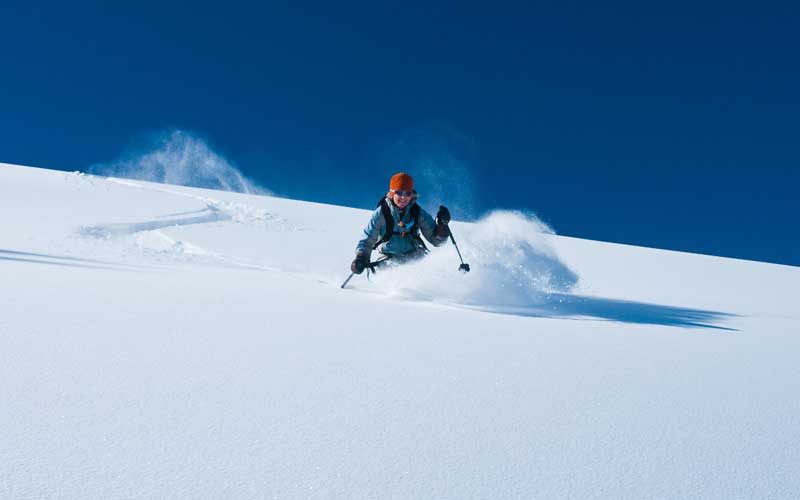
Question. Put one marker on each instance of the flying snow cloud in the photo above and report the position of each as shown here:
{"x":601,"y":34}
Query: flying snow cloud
{"x":439,"y":158}
{"x":512,"y":261}
{"x":181,"y":158}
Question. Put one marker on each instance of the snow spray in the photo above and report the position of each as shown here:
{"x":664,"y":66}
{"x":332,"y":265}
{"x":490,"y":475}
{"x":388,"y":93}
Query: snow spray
{"x":181,"y":158}
{"x":512,"y":261}
{"x":440,"y":159}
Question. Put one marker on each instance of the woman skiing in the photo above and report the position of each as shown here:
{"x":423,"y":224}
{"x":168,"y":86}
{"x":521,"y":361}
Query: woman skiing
{"x":395,"y":227}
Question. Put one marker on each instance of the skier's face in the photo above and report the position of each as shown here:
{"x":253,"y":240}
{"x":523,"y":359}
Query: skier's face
{"x":401,"y":198}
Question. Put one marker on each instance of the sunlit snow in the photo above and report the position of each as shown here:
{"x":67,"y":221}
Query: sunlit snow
{"x":160,"y":341}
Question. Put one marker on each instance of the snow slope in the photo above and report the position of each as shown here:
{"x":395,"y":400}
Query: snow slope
{"x":162,"y":342}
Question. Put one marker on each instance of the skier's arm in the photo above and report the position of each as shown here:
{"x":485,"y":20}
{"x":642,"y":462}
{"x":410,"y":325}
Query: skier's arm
{"x":372,"y":234}
{"x":435,"y":233}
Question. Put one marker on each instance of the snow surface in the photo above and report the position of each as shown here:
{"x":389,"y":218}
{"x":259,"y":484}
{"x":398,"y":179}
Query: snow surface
{"x":162,"y":342}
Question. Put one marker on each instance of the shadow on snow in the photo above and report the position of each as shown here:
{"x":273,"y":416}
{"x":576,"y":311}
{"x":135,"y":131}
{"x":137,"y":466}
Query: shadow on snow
{"x":560,"y":305}
{"x":61,"y":260}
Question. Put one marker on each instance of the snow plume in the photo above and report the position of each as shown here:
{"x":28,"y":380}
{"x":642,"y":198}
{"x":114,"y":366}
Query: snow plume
{"x":512,"y":265}
{"x":439,"y":158}
{"x":181,"y":158}
{"x":446,"y":180}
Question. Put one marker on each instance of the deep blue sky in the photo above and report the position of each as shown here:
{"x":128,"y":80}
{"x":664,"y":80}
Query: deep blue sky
{"x":668,"y":125}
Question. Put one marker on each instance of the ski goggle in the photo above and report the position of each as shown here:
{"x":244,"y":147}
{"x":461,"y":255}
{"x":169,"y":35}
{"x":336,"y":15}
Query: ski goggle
{"x":403,"y":193}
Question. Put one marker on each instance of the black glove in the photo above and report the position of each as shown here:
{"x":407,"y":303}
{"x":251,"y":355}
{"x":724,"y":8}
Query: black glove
{"x":359,"y":263}
{"x":443,"y":217}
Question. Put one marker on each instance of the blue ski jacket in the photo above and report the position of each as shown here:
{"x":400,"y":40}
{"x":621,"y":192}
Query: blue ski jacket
{"x":399,"y":244}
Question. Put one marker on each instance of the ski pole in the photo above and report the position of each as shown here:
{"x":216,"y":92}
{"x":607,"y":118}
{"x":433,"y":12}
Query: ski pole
{"x":464,"y":268}
{"x":347,"y":280}
{"x":369,"y":267}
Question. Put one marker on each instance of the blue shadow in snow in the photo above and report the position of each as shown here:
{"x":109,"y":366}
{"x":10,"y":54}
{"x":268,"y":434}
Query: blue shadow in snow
{"x":61,"y":260}
{"x":560,"y":305}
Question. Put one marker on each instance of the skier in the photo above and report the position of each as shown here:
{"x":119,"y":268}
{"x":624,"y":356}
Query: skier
{"x":396,"y":225}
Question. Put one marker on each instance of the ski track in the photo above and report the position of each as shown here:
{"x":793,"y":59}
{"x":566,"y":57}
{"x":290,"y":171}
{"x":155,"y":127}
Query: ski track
{"x":210,"y":214}
{"x":147,"y":239}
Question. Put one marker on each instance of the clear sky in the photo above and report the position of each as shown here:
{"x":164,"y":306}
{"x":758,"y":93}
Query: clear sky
{"x":669,"y":125}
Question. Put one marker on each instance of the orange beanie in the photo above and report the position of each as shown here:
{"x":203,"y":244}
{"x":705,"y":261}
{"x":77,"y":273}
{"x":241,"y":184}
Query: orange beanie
{"x":401,"y":182}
